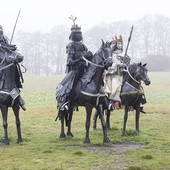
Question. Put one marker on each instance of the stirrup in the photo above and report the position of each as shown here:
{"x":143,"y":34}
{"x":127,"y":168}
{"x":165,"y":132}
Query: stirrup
{"x":64,"y":106}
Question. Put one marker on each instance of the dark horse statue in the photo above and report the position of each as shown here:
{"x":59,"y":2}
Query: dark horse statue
{"x":89,"y":92}
{"x":132,"y":91}
{"x":9,"y":91}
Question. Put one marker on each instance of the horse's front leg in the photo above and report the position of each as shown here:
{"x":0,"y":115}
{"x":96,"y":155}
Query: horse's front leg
{"x":108,"y":119}
{"x":18,"y":123}
{"x":137,"y":118}
{"x":125,"y":120}
{"x":4,"y":110}
{"x":104,"y":127}
{"x":87,"y":125}
{"x":69,"y":133}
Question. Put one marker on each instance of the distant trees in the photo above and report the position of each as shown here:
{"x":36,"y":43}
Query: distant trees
{"x":45,"y":53}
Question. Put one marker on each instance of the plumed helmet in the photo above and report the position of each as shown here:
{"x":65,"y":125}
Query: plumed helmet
{"x":75,"y":27}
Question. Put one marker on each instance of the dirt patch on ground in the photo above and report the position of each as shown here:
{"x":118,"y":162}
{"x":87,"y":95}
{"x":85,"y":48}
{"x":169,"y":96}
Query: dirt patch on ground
{"x":112,"y":153}
{"x":117,"y":148}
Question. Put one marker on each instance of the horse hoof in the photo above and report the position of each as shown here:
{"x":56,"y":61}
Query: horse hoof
{"x":107,"y":141}
{"x":6,"y":143}
{"x":124,"y":134}
{"x":19,"y":141}
{"x":62,"y":136}
{"x":70,"y":135}
{"x":86,"y":141}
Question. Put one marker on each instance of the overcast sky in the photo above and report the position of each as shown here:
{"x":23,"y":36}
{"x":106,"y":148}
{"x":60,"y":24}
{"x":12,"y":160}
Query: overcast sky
{"x":45,"y":14}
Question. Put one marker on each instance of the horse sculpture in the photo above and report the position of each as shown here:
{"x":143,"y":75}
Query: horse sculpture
{"x":9,"y":91}
{"x":89,"y":92}
{"x":132,"y":91}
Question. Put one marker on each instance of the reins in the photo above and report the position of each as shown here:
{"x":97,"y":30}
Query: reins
{"x":7,"y":66}
{"x":127,"y":70}
{"x":94,"y":64}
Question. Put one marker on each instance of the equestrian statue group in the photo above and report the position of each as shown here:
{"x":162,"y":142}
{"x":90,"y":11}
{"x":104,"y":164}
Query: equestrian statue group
{"x":91,"y":80}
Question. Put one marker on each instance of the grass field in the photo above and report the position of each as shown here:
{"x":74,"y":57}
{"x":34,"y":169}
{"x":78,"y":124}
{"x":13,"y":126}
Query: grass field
{"x":43,"y":150}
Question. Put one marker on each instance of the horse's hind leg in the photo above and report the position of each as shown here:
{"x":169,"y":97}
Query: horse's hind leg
{"x":4,"y":110}
{"x":125,"y":120}
{"x":69,"y":133}
{"x":96,"y":114}
{"x":137,"y":118}
{"x":18,"y":123}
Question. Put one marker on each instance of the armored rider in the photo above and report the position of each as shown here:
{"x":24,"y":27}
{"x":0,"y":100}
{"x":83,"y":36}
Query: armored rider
{"x":75,"y":66}
{"x":6,"y":47}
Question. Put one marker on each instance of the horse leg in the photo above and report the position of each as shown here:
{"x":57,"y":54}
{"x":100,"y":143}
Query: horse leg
{"x":87,"y":125}
{"x":104,"y":127}
{"x":62,"y":117}
{"x":108,"y":119}
{"x":15,"y":109}
{"x":4,"y":110}
{"x":95,"y":119}
{"x":137,"y":118}
{"x":69,"y":133}
{"x":125,"y":120}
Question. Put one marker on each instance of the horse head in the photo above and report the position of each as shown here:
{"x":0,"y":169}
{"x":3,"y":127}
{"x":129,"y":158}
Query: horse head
{"x":141,"y":73}
{"x":117,"y":44}
{"x":105,"y":55}
{"x":17,"y":56}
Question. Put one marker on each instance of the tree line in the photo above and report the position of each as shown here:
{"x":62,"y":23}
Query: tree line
{"x":45,"y":53}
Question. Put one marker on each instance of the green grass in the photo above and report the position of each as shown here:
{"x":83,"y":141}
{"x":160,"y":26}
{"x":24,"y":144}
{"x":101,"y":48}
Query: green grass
{"x":42,"y":149}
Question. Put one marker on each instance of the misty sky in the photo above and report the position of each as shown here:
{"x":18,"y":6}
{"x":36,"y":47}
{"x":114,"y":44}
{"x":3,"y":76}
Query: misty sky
{"x":45,"y":14}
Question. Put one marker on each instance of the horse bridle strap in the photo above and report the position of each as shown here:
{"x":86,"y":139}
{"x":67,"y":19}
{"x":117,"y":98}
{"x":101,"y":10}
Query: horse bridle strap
{"x":126,"y":70}
{"x":98,"y":95}
{"x":5,"y":67}
{"x":87,"y":61}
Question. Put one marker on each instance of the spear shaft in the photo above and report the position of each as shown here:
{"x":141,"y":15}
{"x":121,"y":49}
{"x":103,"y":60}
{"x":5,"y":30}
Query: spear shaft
{"x":128,"y":41}
{"x":15,"y":26}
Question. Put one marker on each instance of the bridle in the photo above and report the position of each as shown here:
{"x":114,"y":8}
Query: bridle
{"x":97,"y":65}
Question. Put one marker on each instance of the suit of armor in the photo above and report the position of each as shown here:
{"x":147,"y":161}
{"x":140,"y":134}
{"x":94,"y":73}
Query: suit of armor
{"x":5,"y":47}
{"x":75,"y":50}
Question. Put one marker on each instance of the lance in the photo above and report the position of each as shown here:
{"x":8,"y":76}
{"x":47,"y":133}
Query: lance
{"x":15,"y":26}
{"x":128,"y":41}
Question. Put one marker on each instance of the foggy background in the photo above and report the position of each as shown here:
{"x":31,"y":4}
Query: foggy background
{"x":43,"y":30}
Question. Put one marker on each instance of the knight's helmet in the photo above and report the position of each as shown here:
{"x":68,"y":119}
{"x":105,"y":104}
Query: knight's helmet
{"x":74,"y":30}
{"x":1,"y":33}
{"x":1,"y":29}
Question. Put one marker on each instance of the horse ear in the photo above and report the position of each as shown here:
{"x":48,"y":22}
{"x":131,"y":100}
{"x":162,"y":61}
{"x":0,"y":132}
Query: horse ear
{"x":144,"y":64}
{"x":139,"y":64}
{"x":102,"y":42}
